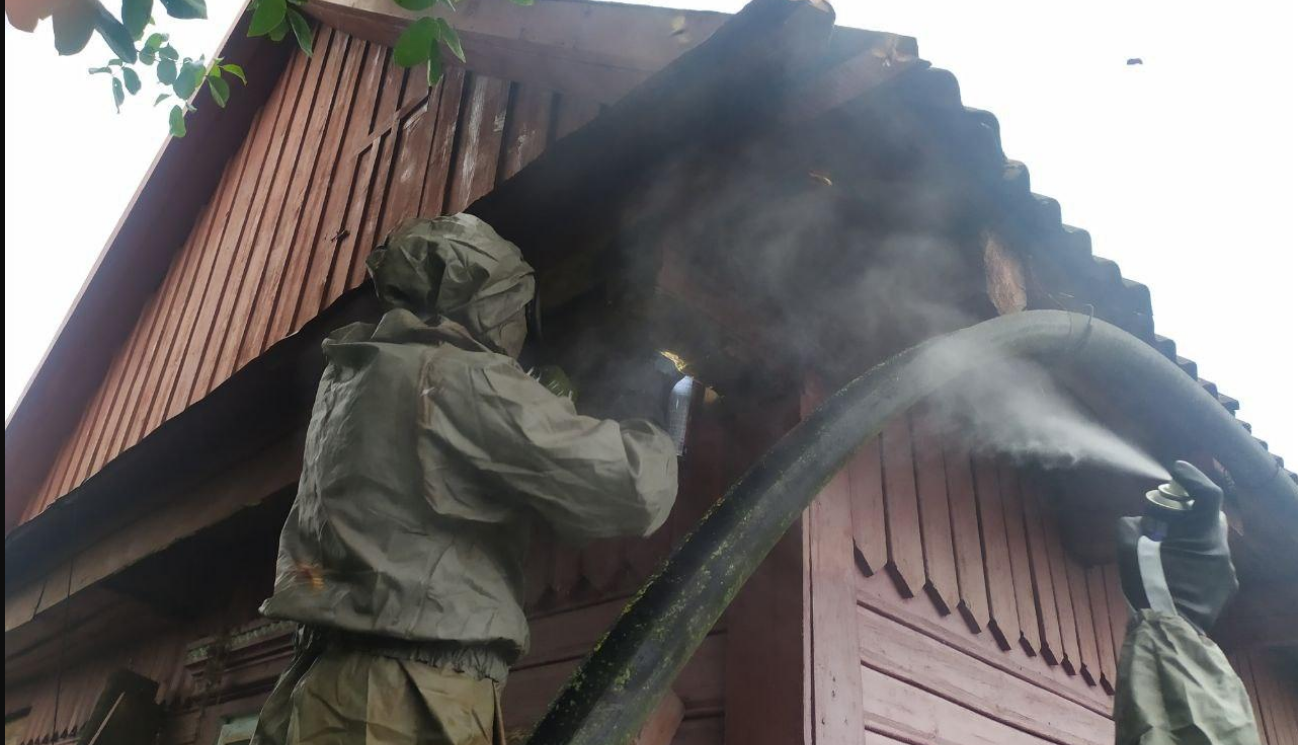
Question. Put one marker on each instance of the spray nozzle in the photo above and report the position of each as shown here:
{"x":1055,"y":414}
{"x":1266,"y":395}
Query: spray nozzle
{"x":1170,"y":498}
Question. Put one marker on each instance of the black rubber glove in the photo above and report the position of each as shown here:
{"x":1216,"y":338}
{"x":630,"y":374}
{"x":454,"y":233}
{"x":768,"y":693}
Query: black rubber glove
{"x":1190,"y":568}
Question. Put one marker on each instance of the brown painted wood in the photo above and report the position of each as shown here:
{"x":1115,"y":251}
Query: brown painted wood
{"x":1004,"y":623}
{"x":248,"y":207}
{"x":869,"y":519}
{"x":905,"y":548}
{"x":964,"y":532}
{"x":1099,"y":602}
{"x":433,"y":196}
{"x":305,"y":247}
{"x":481,"y":131}
{"x":1072,"y":658}
{"x":283,"y":242}
{"x":834,"y":670}
{"x":942,"y":585}
{"x":930,"y":664}
{"x":663,"y":723}
{"x":1118,"y":609}
{"x":1020,"y":560}
{"x":208,"y":297}
{"x":527,"y":128}
{"x":1090,"y":660}
{"x":1052,"y":644}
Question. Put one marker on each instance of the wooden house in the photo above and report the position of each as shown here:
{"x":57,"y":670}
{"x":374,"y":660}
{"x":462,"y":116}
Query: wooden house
{"x":727,"y":189}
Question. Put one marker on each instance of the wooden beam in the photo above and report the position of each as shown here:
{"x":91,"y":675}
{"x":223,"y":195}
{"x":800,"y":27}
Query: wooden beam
{"x":593,"y":50}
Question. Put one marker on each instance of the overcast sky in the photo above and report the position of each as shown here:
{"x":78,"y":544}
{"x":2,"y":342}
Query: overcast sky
{"x":1183,"y":169}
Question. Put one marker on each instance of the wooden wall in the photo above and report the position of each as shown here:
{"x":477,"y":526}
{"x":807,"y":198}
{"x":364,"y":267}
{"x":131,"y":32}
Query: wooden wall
{"x":945,"y":609}
{"x":347,"y":145}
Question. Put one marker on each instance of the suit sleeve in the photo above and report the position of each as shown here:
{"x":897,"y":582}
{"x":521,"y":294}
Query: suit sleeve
{"x":588,"y":478}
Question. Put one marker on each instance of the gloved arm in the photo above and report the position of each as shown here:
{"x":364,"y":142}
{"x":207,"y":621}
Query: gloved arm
{"x":588,"y":478}
{"x":1174,"y":684}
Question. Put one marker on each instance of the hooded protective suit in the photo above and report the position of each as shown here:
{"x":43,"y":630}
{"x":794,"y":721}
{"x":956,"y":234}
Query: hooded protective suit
{"x":429,"y":455}
{"x":1175,"y":687}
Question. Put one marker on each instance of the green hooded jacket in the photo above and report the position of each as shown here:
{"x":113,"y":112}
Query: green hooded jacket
{"x":430,"y":454}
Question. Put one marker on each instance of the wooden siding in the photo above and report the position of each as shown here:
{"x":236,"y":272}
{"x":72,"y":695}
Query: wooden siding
{"x":967,"y":622}
{"x":347,"y":145}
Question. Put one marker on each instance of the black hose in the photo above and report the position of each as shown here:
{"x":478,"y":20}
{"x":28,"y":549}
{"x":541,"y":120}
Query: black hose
{"x":620,"y":683}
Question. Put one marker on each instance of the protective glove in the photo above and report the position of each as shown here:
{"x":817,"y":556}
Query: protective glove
{"x":1188,"y":571}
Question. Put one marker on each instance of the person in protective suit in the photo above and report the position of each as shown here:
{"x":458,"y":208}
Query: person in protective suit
{"x":1175,"y":687}
{"x":429,"y":456}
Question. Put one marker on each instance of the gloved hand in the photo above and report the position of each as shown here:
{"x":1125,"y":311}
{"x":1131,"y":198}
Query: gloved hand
{"x":1189,"y":571}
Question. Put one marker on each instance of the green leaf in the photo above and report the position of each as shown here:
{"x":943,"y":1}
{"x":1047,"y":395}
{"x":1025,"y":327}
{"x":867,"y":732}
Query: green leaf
{"x":186,"y":9}
{"x":524,"y":3}
{"x":434,"y":66}
{"x":301,"y":30}
{"x":167,"y":71}
{"x":135,"y":16}
{"x":169,"y":52}
{"x":73,"y":25}
{"x":188,"y":79}
{"x":155,"y":41}
{"x":147,"y":56}
{"x":115,"y":35}
{"x":177,"y":121}
{"x":220,"y":91}
{"x":450,"y":38}
{"x":132,"y":80}
{"x":118,"y":95}
{"x":278,"y":33}
{"x":161,"y":97}
{"x":416,"y":5}
{"x":267,"y":16}
{"x":417,"y":43}
{"x":99,"y":70}
{"x":236,"y":71}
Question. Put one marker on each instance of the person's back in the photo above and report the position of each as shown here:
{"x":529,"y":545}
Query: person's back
{"x":429,"y":455}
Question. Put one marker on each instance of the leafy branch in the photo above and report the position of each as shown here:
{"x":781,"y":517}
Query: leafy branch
{"x":183,"y":77}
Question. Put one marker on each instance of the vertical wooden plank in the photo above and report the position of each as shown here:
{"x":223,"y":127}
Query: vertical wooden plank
{"x":1089,"y":661}
{"x":218,"y":209}
{"x":368,"y":234}
{"x":1103,"y":630}
{"x":905,"y":549}
{"x":835,"y":669}
{"x":1119,"y":610}
{"x":390,"y":91}
{"x":865,"y":482}
{"x":1025,"y":598}
{"x":79,"y":442}
{"x":158,"y":384}
{"x":140,"y":340}
{"x":1244,"y":668}
{"x":267,"y":138}
{"x":344,"y":216}
{"x":105,"y":399}
{"x":414,"y":143}
{"x":1004,"y":623}
{"x":432,"y":200}
{"x":1052,"y":645}
{"x":964,"y":532}
{"x":527,"y":127}
{"x":566,"y":573}
{"x":943,"y":587}
{"x":1269,"y":725}
{"x":481,"y":130}
{"x":302,"y":276}
{"x":285,"y":158}
{"x":329,"y":203}
{"x":603,"y":563}
{"x":142,"y":388}
{"x":283,"y":239}
{"x":210,"y":293}
{"x":1063,"y":598}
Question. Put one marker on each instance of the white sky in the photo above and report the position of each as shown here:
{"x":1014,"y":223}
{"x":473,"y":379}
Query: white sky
{"x":1184,"y":169}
